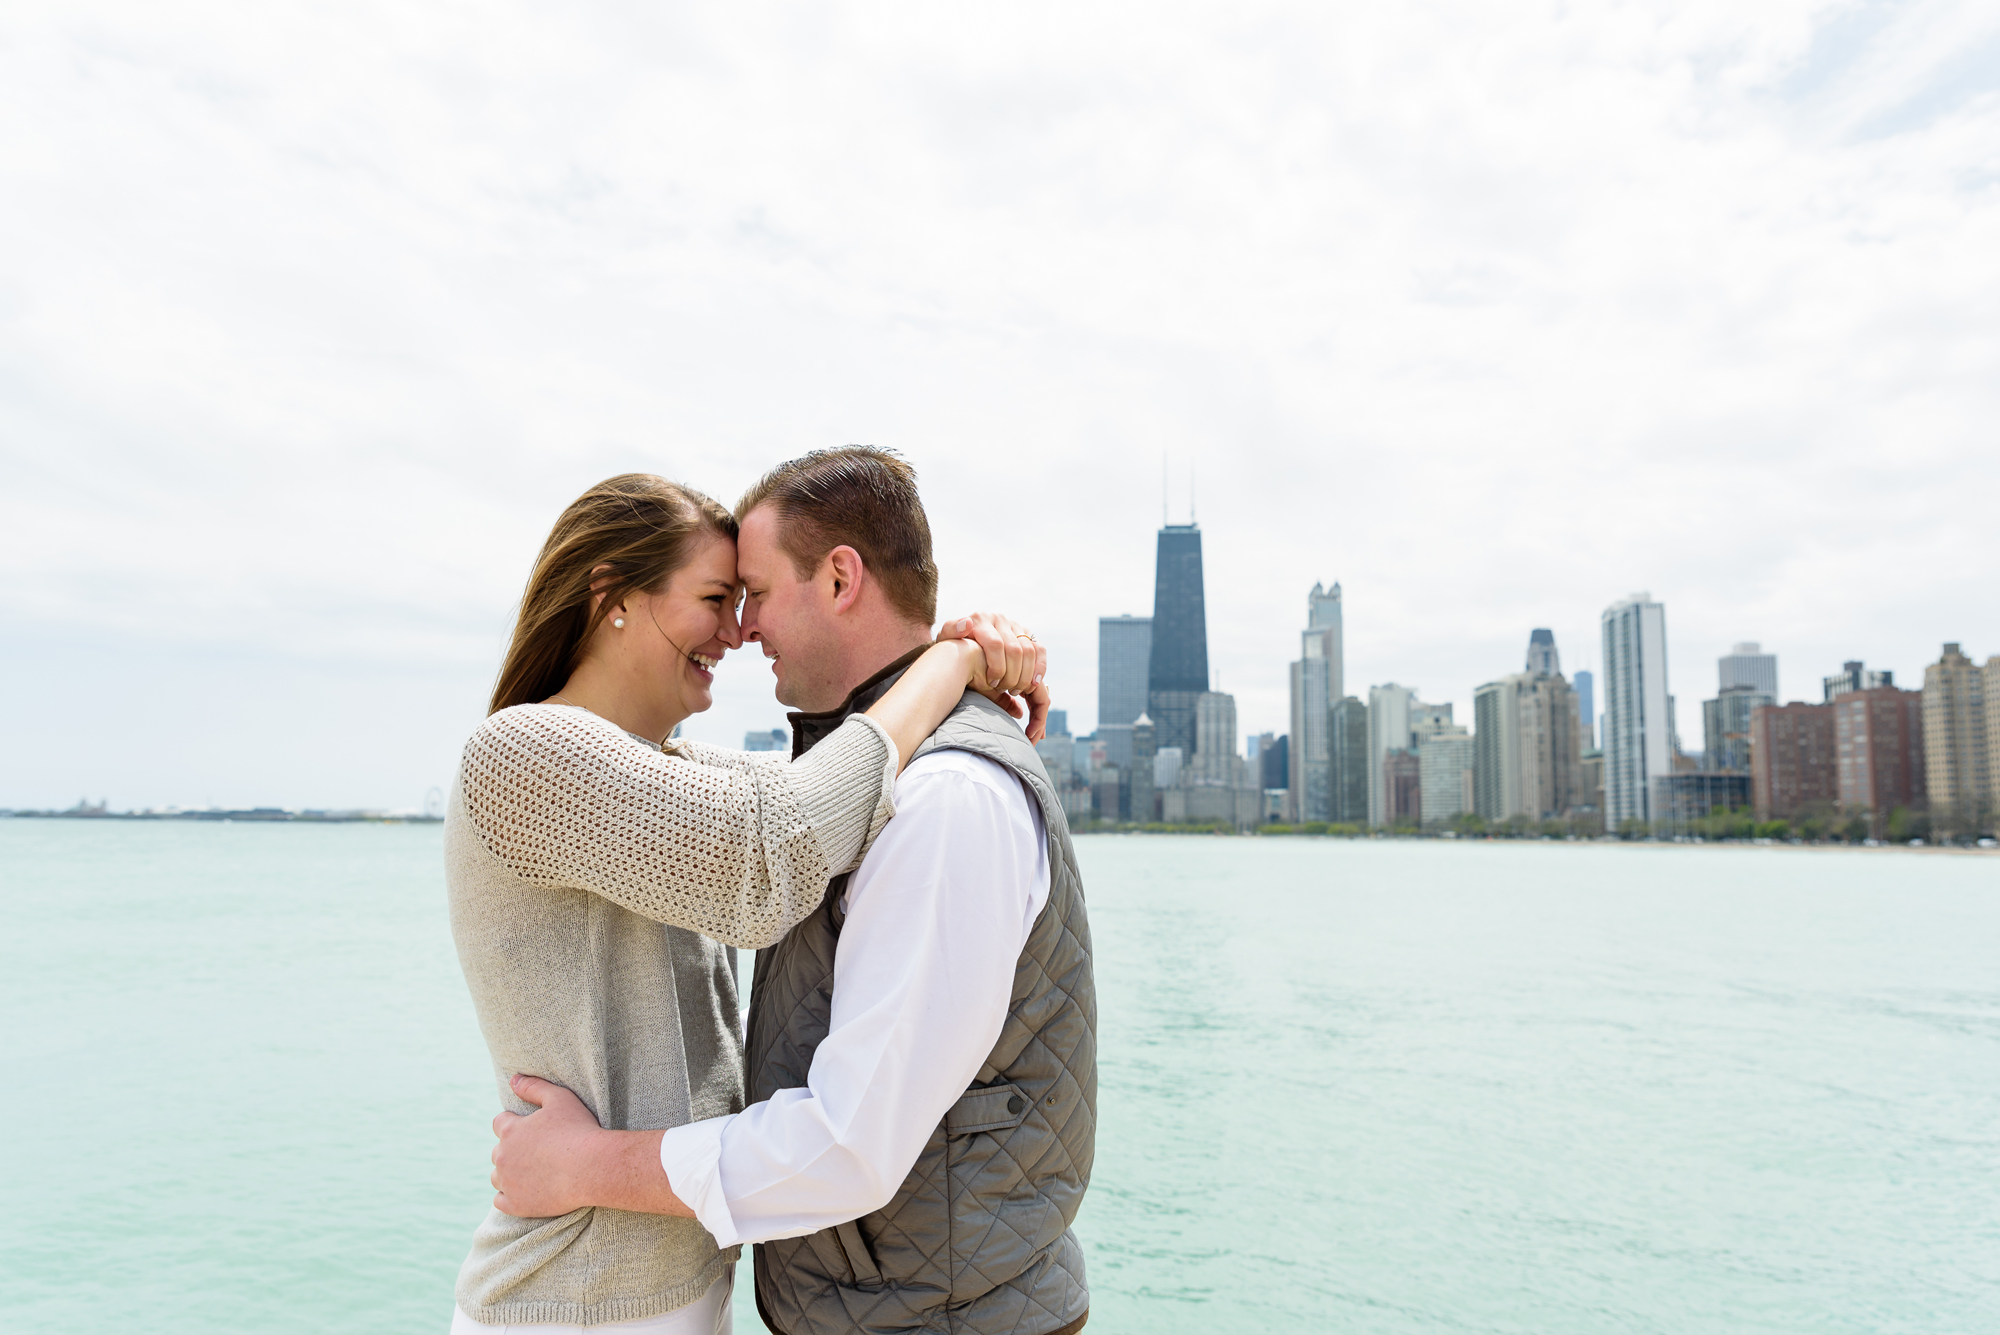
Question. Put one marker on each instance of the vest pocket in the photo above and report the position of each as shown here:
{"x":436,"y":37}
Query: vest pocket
{"x":859,"y":1259}
{"x":991,"y":1108}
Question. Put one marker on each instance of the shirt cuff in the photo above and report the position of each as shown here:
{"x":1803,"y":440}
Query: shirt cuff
{"x":692,"y":1158}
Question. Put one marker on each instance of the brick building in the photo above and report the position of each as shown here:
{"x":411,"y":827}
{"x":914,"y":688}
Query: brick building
{"x":1792,"y":769}
{"x":1402,"y":786}
{"x":1878,"y":737}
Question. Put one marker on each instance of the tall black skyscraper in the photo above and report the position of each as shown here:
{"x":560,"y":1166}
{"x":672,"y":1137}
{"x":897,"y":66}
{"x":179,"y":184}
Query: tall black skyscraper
{"x":1179,"y":668}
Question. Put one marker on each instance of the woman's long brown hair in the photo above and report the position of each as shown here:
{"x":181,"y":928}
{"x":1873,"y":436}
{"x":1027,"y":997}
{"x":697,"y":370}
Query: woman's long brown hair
{"x":635,"y":530}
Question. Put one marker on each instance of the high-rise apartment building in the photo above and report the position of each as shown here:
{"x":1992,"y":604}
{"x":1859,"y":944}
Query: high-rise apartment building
{"x":1991,"y":692}
{"x":1957,"y":749}
{"x":1527,"y":740}
{"x":1747,"y":664}
{"x":1178,"y":671}
{"x":1317,"y":680}
{"x":774,"y":739}
{"x":1638,"y":741}
{"x":1551,"y":741}
{"x":1853,"y":676}
{"x":1792,"y":769}
{"x":1585,"y":686}
{"x":1057,"y":723}
{"x":1444,"y":763}
{"x":1388,"y":730}
{"x":1348,"y":761}
{"x":1124,"y":667}
{"x":1496,"y":734}
{"x":1878,"y":738}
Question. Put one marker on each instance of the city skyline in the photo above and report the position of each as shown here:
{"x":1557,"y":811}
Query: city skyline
{"x":291,"y":400}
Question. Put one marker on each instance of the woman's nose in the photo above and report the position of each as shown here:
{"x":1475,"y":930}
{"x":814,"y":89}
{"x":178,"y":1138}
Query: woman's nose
{"x":730,"y":633}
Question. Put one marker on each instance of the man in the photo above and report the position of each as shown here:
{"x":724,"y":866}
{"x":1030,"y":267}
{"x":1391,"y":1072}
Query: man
{"x":922,"y":1049}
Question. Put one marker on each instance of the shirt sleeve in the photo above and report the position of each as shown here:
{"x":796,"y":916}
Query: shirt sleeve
{"x":923,"y":975}
{"x":738,"y":853}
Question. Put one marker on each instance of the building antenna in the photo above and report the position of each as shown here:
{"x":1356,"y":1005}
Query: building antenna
{"x":1190,"y":494}
{"x":1163,"y":488}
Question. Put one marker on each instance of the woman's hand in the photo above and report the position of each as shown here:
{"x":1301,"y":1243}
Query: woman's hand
{"x":1009,"y":664}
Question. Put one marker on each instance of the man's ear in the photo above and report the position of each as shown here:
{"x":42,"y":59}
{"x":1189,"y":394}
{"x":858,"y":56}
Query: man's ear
{"x":845,"y":567}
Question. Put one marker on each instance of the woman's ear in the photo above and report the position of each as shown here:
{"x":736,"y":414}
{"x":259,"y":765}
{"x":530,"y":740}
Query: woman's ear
{"x":600,"y":580}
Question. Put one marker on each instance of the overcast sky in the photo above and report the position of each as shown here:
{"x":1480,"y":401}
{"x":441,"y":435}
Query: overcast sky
{"x":313,"y":317}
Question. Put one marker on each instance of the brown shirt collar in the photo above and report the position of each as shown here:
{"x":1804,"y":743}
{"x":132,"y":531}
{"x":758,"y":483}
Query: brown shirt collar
{"x":808,"y":730}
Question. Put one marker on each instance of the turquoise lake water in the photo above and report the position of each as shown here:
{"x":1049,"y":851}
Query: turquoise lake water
{"x":1371,"y":1086}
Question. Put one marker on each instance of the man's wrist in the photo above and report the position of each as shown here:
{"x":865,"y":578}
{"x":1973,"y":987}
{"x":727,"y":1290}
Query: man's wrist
{"x":624,"y":1173}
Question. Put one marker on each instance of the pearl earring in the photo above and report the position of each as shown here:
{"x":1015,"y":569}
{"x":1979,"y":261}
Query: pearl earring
{"x":619,"y":622}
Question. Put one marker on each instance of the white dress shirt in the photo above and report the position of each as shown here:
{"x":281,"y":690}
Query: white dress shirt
{"x":937,"y":915}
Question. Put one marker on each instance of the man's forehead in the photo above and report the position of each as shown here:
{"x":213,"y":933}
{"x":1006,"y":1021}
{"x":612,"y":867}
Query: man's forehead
{"x":757,"y":550}
{"x":757,"y":534}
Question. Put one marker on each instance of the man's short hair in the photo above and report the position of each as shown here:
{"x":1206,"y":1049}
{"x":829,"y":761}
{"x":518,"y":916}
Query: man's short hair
{"x":860,"y":497}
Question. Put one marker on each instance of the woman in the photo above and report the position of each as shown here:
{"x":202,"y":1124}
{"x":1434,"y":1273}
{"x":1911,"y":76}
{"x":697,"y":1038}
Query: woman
{"x":598,"y":874}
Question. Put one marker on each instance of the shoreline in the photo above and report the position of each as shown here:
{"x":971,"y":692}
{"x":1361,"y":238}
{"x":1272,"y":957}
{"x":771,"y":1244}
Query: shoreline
{"x":246,"y":816}
{"x":1600,"y":842}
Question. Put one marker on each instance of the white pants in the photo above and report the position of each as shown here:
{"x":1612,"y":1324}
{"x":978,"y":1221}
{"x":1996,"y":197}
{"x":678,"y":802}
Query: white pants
{"x":706,"y":1315}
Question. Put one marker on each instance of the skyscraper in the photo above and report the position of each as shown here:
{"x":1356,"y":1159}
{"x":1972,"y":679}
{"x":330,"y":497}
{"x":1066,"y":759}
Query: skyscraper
{"x":1388,"y":730}
{"x":1747,"y":664}
{"x":1347,"y":747}
{"x":1638,"y":729}
{"x":1542,"y":658}
{"x":1274,"y":762}
{"x":1179,"y":661}
{"x":1956,"y":759}
{"x":1585,"y":686}
{"x":1527,"y":740}
{"x":1215,"y":762}
{"x":1323,"y":624}
{"x":1725,"y":728}
{"x":1124,"y":661}
{"x":1445,"y":762}
{"x":1496,"y":747}
{"x":1551,"y":747}
{"x":1316,"y":680}
{"x":1311,"y":783}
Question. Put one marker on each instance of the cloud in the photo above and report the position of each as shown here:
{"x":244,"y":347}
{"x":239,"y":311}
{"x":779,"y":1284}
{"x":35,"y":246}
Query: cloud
{"x":310,"y":321}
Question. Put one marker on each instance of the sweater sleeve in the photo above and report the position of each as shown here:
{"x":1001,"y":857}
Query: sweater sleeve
{"x":722,"y":757}
{"x":739,"y":854}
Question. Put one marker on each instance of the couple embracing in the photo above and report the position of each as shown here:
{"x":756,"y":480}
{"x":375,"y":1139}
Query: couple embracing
{"x":904,"y":1127}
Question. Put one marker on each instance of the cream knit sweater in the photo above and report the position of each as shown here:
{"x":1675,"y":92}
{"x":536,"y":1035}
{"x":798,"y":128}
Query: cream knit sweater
{"x":593,"y":878}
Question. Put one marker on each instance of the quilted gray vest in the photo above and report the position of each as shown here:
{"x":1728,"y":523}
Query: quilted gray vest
{"x":977,"y":1240}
